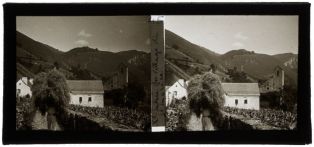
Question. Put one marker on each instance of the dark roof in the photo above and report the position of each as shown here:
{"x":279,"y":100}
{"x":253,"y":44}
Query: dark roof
{"x":241,"y":88}
{"x":86,"y":86}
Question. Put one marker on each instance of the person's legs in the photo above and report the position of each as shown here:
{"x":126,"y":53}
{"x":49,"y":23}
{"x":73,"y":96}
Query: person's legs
{"x":206,"y":121}
{"x":51,"y":118}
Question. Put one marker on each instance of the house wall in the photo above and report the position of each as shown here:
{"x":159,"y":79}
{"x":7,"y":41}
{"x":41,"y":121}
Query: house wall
{"x":253,"y":102}
{"x":97,"y":100}
{"x":22,"y":89}
{"x":170,"y":93}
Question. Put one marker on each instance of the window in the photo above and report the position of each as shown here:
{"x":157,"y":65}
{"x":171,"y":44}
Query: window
{"x":236,"y":101}
{"x":245,"y":101}
{"x":277,"y":73}
{"x":18,"y":91}
{"x":19,"y":83}
{"x":175,"y":93}
{"x":80,"y":99}
{"x":89,"y":99}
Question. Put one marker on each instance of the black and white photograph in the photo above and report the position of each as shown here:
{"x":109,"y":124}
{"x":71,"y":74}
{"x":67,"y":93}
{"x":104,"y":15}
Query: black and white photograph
{"x":156,"y":73}
{"x":231,"y":72}
{"x":89,"y":73}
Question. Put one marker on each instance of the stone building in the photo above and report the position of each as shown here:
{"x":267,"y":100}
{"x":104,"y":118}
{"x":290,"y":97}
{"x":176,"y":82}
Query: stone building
{"x":275,"y":82}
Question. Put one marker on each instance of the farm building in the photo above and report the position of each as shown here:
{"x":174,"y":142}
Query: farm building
{"x":86,"y":92}
{"x":23,"y":87}
{"x":242,"y":95}
{"x":275,"y":82}
{"x":177,"y":91}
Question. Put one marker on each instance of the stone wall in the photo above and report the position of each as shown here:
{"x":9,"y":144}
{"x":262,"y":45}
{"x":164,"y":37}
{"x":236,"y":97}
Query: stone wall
{"x":74,"y":121}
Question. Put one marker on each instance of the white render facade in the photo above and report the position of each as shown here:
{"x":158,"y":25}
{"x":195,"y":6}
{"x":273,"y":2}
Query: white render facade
{"x":177,"y":91}
{"x":89,"y":93}
{"x":23,"y":87}
{"x":242,"y":102}
{"x":242,"y":95}
{"x":89,"y":100}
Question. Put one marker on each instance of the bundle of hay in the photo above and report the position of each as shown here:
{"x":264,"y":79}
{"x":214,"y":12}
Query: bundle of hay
{"x":50,"y":90}
{"x":205,"y":92}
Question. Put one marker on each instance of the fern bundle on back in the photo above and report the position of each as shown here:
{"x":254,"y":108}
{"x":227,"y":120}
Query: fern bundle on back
{"x":206,"y":93}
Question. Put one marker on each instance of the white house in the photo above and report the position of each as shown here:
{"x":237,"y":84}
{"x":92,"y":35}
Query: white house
{"x":242,"y":95}
{"x":86,"y":92}
{"x":23,"y":87}
{"x":177,"y":91}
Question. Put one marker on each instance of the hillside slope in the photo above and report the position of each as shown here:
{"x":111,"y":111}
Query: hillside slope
{"x":193,"y":59}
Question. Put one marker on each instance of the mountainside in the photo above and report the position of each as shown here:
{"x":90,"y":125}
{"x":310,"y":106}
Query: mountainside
{"x":289,"y":60}
{"x":193,"y":59}
{"x":183,"y":60}
{"x":100,"y":62}
{"x":188,"y":49}
{"x":35,"y":48}
{"x":78,"y":63}
{"x":257,"y":65}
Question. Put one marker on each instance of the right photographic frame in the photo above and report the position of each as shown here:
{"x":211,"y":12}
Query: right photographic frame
{"x":231,"y":72}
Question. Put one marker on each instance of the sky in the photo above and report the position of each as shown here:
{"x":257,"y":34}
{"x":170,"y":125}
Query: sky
{"x":261,"y":34}
{"x":107,"y":33}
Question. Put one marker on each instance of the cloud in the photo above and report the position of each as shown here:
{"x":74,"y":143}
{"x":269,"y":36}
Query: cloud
{"x":240,"y":36}
{"x":82,"y":42}
{"x":237,"y":44}
{"x":82,"y":33}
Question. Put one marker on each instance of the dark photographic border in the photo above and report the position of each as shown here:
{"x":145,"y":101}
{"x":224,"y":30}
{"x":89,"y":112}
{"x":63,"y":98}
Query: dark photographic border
{"x":301,"y":136}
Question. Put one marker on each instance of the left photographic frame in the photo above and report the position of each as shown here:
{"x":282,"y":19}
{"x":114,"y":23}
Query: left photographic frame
{"x":83,"y":73}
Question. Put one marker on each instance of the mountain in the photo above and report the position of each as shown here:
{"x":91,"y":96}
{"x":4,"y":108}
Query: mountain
{"x":78,"y":63}
{"x":189,"y":50}
{"x":257,"y":65}
{"x":100,"y":62}
{"x":33,"y":57}
{"x":289,"y":60}
{"x":184,"y":56}
{"x":28,"y":46}
{"x":261,"y":66}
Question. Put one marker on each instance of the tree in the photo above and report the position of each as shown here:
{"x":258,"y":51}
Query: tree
{"x":213,"y":67}
{"x":135,"y":93}
{"x":205,"y":93}
{"x":237,"y":76}
{"x":56,"y":64}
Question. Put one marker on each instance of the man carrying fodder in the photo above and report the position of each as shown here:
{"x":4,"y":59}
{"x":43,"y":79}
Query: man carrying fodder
{"x":51,"y":96}
{"x":206,"y":100}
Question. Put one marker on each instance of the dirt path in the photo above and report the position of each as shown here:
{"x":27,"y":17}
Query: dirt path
{"x":194,"y":123}
{"x":40,"y":122}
